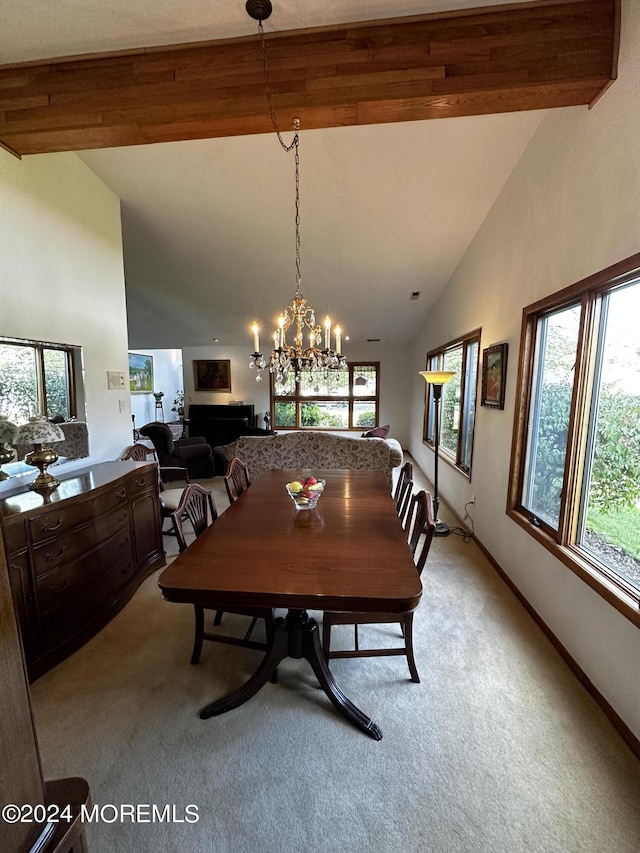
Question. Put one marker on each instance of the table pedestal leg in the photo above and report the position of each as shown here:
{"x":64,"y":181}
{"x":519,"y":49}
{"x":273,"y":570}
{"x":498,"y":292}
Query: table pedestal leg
{"x":297,"y":636}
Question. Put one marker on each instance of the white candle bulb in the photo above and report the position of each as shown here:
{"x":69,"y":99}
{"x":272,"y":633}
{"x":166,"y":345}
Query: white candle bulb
{"x":327,"y":332}
{"x":338,"y":331}
{"x":256,"y":339}
{"x":281,"y":327}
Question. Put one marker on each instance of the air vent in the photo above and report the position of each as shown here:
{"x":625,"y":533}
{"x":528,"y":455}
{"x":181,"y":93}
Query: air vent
{"x":415,"y":294}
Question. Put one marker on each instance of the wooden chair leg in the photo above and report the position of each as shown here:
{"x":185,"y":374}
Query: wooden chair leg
{"x":199,"y":633}
{"x":247,"y":636}
{"x":218,"y":620}
{"x":407,"y":630}
{"x":326,"y":637}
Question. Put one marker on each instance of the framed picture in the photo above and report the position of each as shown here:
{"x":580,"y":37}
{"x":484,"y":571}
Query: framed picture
{"x":212,"y":375}
{"x":140,"y":373}
{"x":494,"y":376}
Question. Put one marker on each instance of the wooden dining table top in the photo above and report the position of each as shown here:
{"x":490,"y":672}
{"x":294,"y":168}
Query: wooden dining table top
{"x":349,"y":553}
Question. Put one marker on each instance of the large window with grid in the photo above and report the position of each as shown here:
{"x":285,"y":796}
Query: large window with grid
{"x":575,"y":467}
{"x":333,"y":400}
{"x":36,"y":378}
{"x":458,"y":402}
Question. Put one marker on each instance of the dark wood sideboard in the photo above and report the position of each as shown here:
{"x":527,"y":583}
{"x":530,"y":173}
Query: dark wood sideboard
{"x":75,"y":560}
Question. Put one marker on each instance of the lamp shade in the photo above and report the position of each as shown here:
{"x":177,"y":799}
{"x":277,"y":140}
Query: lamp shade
{"x":7,"y":430}
{"x":38,"y":430}
{"x":437,"y":377}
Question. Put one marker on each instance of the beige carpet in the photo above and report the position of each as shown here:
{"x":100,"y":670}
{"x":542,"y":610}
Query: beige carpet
{"x":498,"y":749}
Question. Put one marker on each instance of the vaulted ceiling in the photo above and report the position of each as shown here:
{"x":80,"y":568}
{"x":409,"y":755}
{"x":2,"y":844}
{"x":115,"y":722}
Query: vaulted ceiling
{"x":389,"y":199}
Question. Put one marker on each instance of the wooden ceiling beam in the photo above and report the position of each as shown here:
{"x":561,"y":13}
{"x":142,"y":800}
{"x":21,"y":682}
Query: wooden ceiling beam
{"x":538,"y":55}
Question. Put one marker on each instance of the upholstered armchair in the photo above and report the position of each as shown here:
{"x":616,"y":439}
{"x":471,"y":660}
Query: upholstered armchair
{"x":194,"y":454}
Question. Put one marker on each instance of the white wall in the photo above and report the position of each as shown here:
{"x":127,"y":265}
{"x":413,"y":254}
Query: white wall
{"x":62,"y":278}
{"x":167,"y":377}
{"x":395,"y":381}
{"x":570,"y":208}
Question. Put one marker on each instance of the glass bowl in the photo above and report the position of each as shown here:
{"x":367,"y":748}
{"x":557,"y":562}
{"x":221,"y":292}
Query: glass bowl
{"x":305,"y":494}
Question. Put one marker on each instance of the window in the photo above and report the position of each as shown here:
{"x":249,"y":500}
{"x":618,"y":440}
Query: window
{"x":458,"y":404}
{"x":336,"y":399}
{"x":36,"y":378}
{"x":575,"y":467}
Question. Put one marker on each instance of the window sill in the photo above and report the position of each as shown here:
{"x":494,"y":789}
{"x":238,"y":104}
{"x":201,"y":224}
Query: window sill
{"x":626,"y":603}
{"x":444,"y":458}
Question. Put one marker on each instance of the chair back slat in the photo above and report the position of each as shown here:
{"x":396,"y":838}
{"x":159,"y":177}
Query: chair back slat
{"x":406,"y":474}
{"x":196,"y":506}
{"x":427,"y":527}
{"x":236,"y":479}
{"x":140,"y":453}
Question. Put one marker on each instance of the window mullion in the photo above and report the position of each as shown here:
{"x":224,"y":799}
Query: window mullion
{"x":579,"y":419}
{"x":42,"y":389}
{"x":463,"y":391}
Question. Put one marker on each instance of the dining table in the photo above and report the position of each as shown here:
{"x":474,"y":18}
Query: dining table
{"x":349,"y":553}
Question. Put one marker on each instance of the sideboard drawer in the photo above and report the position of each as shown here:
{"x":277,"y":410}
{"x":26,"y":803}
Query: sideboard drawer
{"x":141,"y":481}
{"x":64,"y":549}
{"x":98,"y":595}
{"x":64,"y":518}
{"x":56,"y":588}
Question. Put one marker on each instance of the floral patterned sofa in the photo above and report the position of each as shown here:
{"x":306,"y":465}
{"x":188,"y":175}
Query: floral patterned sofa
{"x":315,"y":450}
{"x":74,"y":446}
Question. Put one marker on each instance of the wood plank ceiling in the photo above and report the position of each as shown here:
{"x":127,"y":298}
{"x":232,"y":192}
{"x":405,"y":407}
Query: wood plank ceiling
{"x":528,"y":56}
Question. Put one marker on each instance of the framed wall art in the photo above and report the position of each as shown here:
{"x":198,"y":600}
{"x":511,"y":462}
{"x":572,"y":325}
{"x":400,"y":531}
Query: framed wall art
{"x":212,"y":375}
{"x":140,"y":373}
{"x":494,"y":376}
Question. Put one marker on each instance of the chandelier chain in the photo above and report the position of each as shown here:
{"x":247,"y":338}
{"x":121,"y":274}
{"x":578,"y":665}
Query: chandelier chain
{"x":297,"y":159}
{"x":289,"y":360}
{"x":269,"y":91}
{"x":294,"y":146}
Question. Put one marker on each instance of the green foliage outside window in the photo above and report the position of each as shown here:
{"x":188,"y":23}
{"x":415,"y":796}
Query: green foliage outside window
{"x":615,"y":476}
{"x":21,"y":394}
{"x":366,"y":419}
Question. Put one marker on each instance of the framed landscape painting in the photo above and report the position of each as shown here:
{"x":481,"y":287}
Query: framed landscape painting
{"x":213,"y":375}
{"x":140,"y":373}
{"x":494,"y":376}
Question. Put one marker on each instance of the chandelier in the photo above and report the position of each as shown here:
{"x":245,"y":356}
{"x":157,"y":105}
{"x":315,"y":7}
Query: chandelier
{"x":310,"y":349}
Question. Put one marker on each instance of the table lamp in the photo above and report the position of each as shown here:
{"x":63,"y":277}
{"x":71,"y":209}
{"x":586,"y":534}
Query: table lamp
{"x":7,"y":432}
{"x":437,"y":378}
{"x":41,"y":433}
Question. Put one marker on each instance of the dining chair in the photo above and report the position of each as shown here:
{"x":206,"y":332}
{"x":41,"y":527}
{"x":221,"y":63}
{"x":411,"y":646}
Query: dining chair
{"x":169,"y":497}
{"x":197,"y":506}
{"x":236,"y":479}
{"x":422,"y":524}
{"x":140,"y":453}
{"x":404,"y":489}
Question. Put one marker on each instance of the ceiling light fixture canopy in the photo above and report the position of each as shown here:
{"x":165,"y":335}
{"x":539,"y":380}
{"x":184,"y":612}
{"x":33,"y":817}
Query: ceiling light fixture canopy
{"x":310,"y":350}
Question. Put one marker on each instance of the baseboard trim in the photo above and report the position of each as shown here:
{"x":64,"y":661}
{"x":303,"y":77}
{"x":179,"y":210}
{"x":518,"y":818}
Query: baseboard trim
{"x":622,"y":728}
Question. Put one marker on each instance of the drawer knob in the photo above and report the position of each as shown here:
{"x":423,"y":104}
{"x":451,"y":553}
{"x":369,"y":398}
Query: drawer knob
{"x":48,"y":528}
{"x":140,"y":483}
{"x":121,"y":494}
{"x":61,"y":588}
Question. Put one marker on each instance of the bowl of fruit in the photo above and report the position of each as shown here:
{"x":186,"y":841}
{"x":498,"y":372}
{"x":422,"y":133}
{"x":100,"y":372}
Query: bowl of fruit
{"x":305,"y":492}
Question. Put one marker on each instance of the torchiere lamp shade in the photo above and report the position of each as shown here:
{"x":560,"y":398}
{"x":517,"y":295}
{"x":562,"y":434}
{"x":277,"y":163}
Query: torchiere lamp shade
{"x":437,"y":378}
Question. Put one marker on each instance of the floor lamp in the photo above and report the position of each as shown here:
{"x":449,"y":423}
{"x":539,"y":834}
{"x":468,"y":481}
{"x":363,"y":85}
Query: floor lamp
{"x":437,"y":378}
